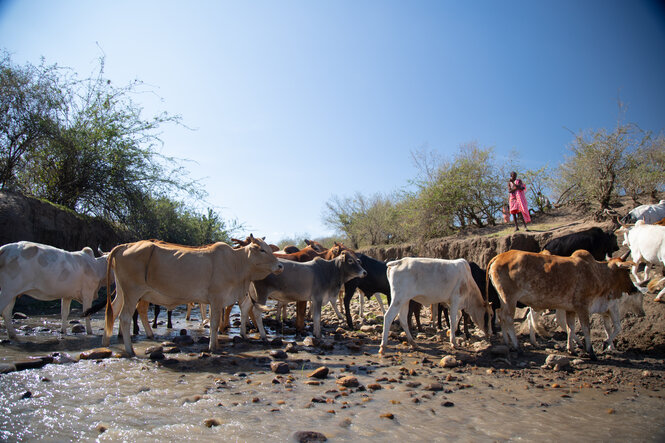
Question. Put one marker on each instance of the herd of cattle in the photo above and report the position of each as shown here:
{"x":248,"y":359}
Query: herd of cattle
{"x":574,"y":275}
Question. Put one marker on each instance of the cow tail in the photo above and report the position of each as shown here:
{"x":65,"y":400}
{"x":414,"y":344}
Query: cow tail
{"x":108,"y":327}
{"x":487,"y":278}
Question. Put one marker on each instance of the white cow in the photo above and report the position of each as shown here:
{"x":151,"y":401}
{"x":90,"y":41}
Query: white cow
{"x":649,"y":213}
{"x":612,"y":310}
{"x":47,"y":273}
{"x":647,"y":244}
{"x":429,"y":281}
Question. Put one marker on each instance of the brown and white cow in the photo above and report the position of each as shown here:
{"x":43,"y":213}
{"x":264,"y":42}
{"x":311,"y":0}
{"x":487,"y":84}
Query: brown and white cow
{"x":216,"y":274}
{"x":575,"y":284}
{"x":47,"y":273}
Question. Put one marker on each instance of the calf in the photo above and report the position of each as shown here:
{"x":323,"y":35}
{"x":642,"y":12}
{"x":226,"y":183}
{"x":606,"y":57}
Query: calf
{"x":47,"y":273}
{"x":542,"y":281}
{"x":317,"y":281}
{"x":429,"y":281}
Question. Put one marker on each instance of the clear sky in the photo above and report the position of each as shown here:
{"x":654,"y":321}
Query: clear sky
{"x":295,"y":101}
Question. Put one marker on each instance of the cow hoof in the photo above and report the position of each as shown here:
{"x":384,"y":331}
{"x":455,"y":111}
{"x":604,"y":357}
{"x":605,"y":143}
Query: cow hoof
{"x":382,"y":350}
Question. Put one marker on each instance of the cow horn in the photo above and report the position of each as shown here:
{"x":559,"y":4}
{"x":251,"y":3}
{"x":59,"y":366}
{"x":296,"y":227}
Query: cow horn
{"x":625,"y":256}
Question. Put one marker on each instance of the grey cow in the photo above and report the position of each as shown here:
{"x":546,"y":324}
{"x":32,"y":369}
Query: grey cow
{"x":318,"y":281}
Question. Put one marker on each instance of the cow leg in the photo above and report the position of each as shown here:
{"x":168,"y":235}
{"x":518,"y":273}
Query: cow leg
{"x":403,"y":321}
{"x":347,"y":306}
{"x":7,"y":315}
{"x":452,"y":312}
{"x":583,"y":316}
{"x":334,"y":306}
{"x":392,"y":312}
{"x":315,"y":308}
{"x":467,"y":320}
{"x":225,"y":322}
{"x":434,"y":314}
{"x":87,"y":303}
{"x":361,"y":309}
{"x":506,"y":316}
{"x":215,"y":320}
{"x":157,"y":311}
{"x":301,"y":307}
{"x":124,"y":320}
{"x":189,"y":311}
{"x":612,"y":323}
{"x":245,"y":306}
{"x":169,"y":314}
{"x":142,"y":309}
{"x":659,"y":297}
{"x":65,"y":303}
{"x":377,"y":296}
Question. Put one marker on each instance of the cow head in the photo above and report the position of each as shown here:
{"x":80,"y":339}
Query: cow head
{"x":261,"y":258}
{"x":350,"y":265}
{"x":621,"y":281}
{"x":318,"y":247}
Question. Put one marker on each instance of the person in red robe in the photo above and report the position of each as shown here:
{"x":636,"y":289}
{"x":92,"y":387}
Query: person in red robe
{"x":517,"y":201}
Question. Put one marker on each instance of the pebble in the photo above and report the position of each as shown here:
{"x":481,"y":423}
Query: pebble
{"x":374,"y":386}
{"x":291,"y":348}
{"x":19,"y":316}
{"x":6,"y":368}
{"x":449,"y":361}
{"x":434,"y":387}
{"x":447,"y":404}
{"x":309,"y":436}
{"x":388,"y":415}
{"x":96,"y":354}
{"x":101,"y":428}
{"x":192,"y":399}
{"x":183,"y":340}
{"x":278,"y":354}
{"x":279,"y":367}
{"x":310,"y":341}
{"x":321,"y":372}
{"x":349,"y":381}
{"x":560,"y":360}
{"x":210,"y":422}
{"x":78,"y":329}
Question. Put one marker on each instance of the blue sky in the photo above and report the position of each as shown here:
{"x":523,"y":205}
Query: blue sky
{"x":293,"y":102}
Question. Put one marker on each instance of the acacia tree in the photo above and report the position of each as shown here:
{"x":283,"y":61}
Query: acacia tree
{"x":29,"y":98}
{"x":644,"y":173}
{"x":590,"y":175}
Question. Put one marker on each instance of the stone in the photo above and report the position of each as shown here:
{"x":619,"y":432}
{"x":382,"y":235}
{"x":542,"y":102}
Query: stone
{"x":191,"y":399}
{"x":62,"y":358}
{"x":349,"y":381}
{"x":170,"y":349}
{"x":310,"y":341}
{"x":321,"y":372}
{"x":374,"y":386}
{"x":210,"y":422}
{"x":291,"y":348}
{"x":309,"y":436}
{"x":32,"y":363}
{"x":101,"y":428}
{"x":388,"y":416}
{"x":19,"y":316}
{"x":6,"y":368}
{"x":276,"y":342}
{"x":557,"y":360}
{"x":157,"y":354}
{"x":449,"y":361}
{"x":152,"y":349}
{"x":447,"y":404}
{"x":279,"y":367}
{"x":78,"y":329}
{"x":278,"y":354}
{"x":96,"y":354}
{"x":500,"y":351}
{"x":183,"y":340}
{"x":434,"y":387}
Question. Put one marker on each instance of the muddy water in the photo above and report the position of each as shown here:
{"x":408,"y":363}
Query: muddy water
{"x":141,"y":400}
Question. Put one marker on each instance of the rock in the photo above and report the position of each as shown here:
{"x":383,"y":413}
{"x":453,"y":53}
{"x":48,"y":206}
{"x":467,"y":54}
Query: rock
{"x":374,"y":386}
{"x":6,"y":368}
{"x":388,"y":415}
{"x":19,"y":316}
{"x":101,"y":428}
{"x":278,"y":354}
{"x":152,"y":349}
{"x":210,"y":422}
{"x":191,"y":399}
{"x":647,"y":373}
{"x":96,"y":354}
{"x":321,"y":372}
{"x":434,"y":387}
{"x":183,"y":340}
{"x":279,"y":367}
{"x":448,"y":362}
{"x":327,"y":346}
{"x":62,"y":358}
{"x":349,"y":381}
{"x":183,"y":332}
{"x":26,"y":394}
{"x":310,"y":341}
{"x":368,"y":328}
{"x":32,"y":363}
{"x":171,"y":349}
{"x":276,"y":342}
{"x":78,"y":329}
{"x":157,"y":354}
{"x":309,"y":436}
{"x":447,"y":404}
{"x":291,"y":348}
{"x":500,"y":351}
{"x":557,"y":360}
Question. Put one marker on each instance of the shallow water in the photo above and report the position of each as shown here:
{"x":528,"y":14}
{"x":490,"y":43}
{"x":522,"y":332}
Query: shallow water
{"x":140,"y":400}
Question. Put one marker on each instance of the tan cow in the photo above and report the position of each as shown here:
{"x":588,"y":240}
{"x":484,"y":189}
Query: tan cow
{"x":169,"y":275}
{"x":574,"y":284}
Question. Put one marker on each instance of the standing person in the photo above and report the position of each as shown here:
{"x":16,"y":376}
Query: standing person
{"x":518,"y":205}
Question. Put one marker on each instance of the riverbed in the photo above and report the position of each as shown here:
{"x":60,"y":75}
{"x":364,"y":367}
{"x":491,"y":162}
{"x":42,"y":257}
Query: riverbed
{"x":192,"y":395}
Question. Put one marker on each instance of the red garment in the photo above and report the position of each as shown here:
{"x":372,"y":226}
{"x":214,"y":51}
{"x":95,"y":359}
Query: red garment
{"x":518,"y":201}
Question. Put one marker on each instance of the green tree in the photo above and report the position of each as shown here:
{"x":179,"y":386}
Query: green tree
{"x":644,"y":173}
